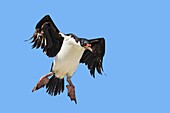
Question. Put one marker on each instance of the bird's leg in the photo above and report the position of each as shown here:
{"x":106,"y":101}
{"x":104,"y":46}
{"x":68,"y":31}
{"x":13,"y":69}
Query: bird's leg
{"x":42,"y":81}
{"x":71,"y":90}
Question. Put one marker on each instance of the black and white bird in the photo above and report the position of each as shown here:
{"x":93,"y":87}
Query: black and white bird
{"x":68,"y":51}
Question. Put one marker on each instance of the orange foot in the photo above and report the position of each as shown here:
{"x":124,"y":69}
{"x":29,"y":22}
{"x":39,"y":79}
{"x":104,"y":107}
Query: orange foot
{"x":42,"y":82}
{"x":71,"y":93}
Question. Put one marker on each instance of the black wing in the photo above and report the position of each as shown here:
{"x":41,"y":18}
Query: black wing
{"x":47,"y":37}
{"x":94,"y":59}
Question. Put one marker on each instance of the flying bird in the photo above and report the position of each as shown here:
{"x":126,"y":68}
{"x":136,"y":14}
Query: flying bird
{"x":68,"y":51}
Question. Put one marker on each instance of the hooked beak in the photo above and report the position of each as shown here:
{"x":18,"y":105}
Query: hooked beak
{"x":88,"y":47}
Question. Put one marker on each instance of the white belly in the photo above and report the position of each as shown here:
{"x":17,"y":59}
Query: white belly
{"x":67,"y":60}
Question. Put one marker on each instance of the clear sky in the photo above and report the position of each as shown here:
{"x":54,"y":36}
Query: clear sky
{"x":137,"y":59}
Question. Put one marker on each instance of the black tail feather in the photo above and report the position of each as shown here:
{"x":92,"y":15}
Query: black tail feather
{"x":55,"y":86}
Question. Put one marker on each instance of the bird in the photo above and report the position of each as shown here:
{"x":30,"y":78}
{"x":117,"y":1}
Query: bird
{"x":68,"y":51}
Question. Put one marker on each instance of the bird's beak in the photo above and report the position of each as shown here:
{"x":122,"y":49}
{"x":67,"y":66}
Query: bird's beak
{"x":88,"y":47}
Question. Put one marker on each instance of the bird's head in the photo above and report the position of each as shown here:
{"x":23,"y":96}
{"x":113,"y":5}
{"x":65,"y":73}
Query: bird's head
{"x":86,"y":44}
{"x":82,"y":41}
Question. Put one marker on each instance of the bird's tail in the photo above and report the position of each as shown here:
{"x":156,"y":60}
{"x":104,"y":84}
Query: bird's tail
{"x":55,"y":86}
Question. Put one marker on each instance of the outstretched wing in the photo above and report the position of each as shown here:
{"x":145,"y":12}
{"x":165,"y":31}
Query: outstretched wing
{"x":94,"y":59}
{"x":47,"y":37}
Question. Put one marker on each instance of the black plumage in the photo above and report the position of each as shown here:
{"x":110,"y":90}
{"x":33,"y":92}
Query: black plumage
{"x":55,"y":86}
{"x":47,"y":37}
{"x":94,"y":59}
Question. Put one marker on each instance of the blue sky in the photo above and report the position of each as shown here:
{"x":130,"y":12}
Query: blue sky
{"x":137,"y":59}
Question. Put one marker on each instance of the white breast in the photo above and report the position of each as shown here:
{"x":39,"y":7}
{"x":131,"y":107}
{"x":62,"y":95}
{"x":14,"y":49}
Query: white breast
{"x":67,"y":60}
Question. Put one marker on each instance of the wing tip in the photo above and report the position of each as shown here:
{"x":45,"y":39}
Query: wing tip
{"x":46,"y":18}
